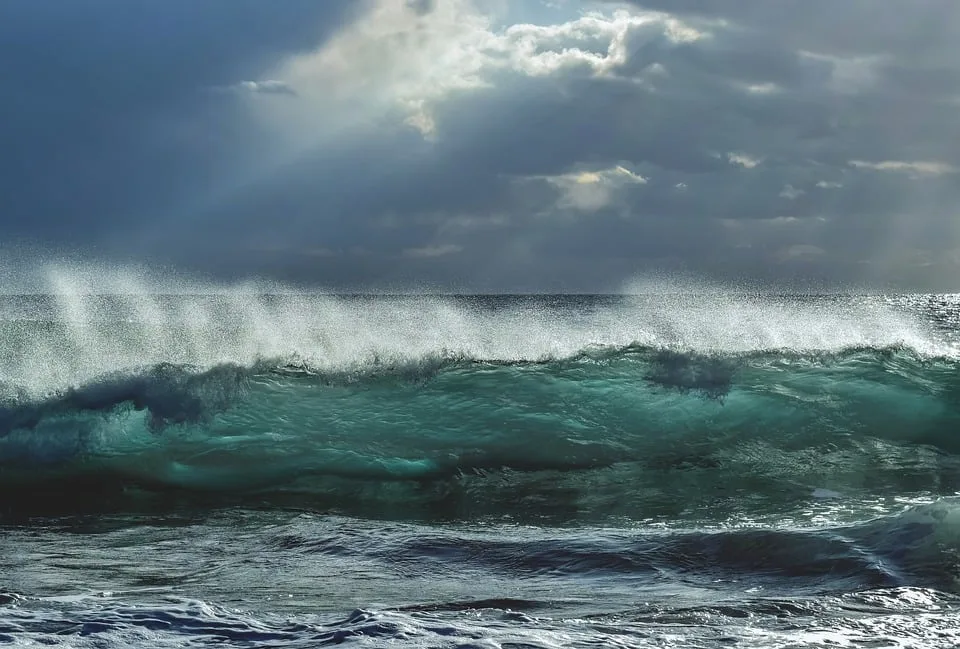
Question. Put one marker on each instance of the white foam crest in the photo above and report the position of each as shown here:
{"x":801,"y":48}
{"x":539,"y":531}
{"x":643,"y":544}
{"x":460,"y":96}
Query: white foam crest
{"x":137,"y":327}
{"x":729,"y":323}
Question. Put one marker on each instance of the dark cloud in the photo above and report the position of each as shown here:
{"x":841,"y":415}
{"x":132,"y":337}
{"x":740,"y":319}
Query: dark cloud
{"x":739,"y":139}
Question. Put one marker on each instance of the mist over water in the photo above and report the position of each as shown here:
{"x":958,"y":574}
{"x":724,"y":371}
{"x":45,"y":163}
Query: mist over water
{"x":479,"y":470}
{"x":84,"y":327}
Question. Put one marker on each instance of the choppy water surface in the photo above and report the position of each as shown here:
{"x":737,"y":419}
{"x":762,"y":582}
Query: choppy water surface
{"x":678,"y":469}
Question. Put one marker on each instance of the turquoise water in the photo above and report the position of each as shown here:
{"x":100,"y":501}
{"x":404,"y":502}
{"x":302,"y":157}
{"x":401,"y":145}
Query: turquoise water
{"x":670,"y":469}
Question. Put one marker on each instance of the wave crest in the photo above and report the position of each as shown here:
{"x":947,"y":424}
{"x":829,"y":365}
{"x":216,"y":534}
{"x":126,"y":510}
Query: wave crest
{"x":67,"y":339}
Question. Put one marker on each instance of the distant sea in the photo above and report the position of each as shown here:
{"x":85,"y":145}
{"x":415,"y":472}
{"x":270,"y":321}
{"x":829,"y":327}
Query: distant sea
{"x":679,"y":469}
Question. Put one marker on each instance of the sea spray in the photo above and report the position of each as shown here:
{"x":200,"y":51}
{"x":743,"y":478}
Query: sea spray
{"x":85,"y":328}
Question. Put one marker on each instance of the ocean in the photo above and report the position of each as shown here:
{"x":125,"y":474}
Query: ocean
{"x":675,"y":468}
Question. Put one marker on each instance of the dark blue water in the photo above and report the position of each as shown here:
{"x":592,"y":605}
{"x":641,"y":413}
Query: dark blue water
{"x":673,"y":469}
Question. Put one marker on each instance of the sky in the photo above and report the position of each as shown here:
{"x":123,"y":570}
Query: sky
{"x":486,"y":145}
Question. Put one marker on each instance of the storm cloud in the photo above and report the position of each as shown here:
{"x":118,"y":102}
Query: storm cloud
{"x":474,"y":145}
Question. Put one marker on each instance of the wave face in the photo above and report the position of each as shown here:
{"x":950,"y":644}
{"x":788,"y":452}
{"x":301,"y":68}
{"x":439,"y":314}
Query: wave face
{"x":603,"y":407}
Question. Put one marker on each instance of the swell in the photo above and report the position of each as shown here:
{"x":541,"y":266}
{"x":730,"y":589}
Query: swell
{"x":915,"y":547}
{"x":627,"y":430}
{"x":412,"y":565}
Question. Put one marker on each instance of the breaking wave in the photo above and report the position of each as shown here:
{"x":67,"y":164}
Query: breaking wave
{"x":401,"y":406}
